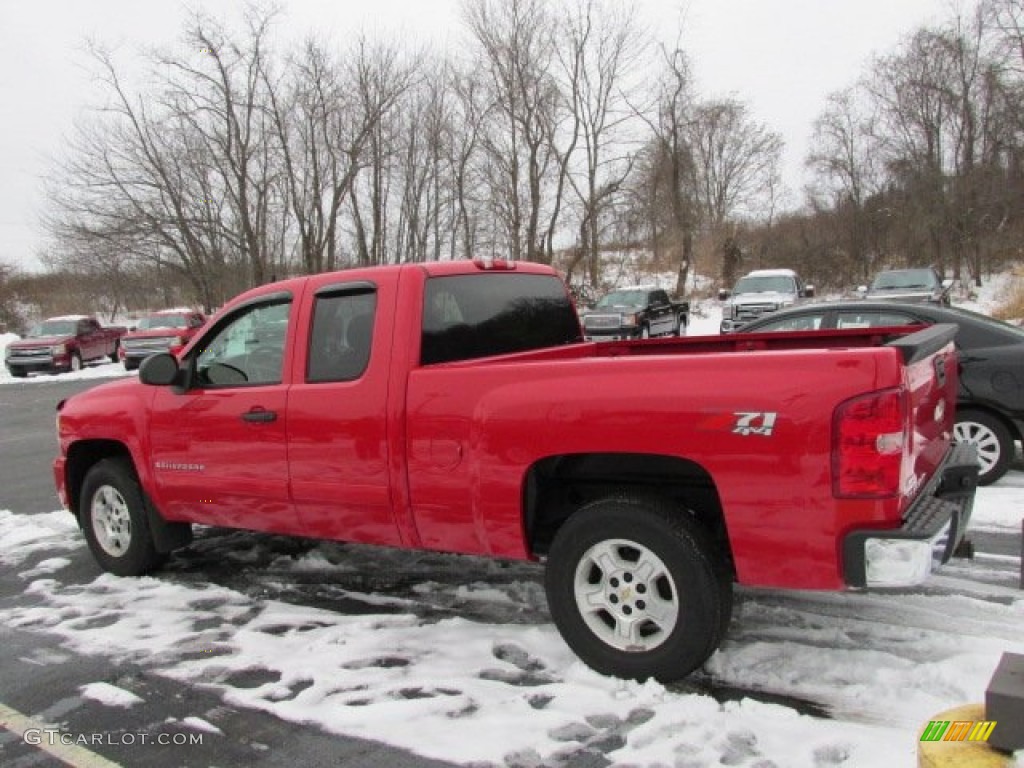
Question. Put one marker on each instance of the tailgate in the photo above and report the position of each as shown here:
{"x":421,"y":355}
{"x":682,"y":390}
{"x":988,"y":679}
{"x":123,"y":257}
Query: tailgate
{"x":931,"y":378}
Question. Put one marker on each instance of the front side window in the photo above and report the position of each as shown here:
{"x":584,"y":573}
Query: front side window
{"x":471,"y":316}
{"x":247,"y":350}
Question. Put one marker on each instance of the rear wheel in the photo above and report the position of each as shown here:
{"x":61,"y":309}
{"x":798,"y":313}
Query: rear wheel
{"x":991,"y":437}
{"x":113,"y":518}
{"x":637,"y":589}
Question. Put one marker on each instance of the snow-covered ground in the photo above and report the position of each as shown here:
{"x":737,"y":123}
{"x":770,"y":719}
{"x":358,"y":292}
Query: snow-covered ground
{"x":463,"y":655}
{"x":456,"y":658}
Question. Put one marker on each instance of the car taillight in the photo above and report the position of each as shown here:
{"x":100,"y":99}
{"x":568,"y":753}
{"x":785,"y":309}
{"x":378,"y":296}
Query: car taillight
{"x":869,"y":434}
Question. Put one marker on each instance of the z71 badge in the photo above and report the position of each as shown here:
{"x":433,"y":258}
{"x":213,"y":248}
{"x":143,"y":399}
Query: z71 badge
{"x":743,"y":423}
{"x":754,"y":423}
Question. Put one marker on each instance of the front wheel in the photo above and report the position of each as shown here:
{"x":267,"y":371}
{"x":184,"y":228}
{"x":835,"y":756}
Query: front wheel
{"x":76,"y":362}
{"x":114,"y":354}
{"x":991,"y":437}
{"x":113,"y":518}
{"x":637,"y":589}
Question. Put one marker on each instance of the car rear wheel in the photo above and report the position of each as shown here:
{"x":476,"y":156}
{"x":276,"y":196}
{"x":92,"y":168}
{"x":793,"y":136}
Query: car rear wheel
{"x":113,"y":518}
{"x":637,"y":589}
{"x":991,"y":437}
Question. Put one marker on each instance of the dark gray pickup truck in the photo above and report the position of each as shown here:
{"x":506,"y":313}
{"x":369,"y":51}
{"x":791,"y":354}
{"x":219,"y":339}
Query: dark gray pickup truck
{"x":635,"y":313}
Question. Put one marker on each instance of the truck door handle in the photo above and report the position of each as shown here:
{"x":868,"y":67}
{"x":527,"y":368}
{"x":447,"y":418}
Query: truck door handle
{"x":259,"y":415}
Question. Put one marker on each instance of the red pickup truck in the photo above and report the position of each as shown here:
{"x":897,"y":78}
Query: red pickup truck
{"x":165,"y":331}
{"x":453,"y":406}
{"x":62,"y":344}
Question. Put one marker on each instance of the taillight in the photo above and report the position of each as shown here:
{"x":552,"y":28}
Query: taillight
{"x":869,"y":434}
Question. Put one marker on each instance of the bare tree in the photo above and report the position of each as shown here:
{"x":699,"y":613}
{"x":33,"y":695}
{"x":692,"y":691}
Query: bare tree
{"x":844,"y":156}
{"x":517,"y":50}
{"x":604,"y":48}
{"x":671,"y":185}
{"x":382,"y":76}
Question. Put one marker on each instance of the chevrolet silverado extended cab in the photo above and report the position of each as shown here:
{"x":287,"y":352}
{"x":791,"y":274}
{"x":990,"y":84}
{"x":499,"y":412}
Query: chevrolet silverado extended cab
{"x":453,"y":406}
{"x":62,"y":344}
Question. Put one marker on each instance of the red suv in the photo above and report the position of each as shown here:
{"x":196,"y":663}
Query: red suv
{"x":165,"y":331}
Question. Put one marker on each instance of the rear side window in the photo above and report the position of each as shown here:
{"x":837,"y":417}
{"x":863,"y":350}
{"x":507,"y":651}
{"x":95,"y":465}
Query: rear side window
{"x":794,"y":323}
{"x":340,"y":339}
{"x":874,"y":319}
{"x":470,"y":316}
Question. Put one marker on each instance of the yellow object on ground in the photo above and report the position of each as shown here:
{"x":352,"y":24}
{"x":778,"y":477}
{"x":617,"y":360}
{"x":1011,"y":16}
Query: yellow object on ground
{"x":960,"y":754}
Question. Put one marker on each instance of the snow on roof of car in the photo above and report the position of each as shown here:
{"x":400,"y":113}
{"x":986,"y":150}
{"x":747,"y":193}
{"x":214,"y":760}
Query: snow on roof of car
{"x":67,"y":317}
{"x":771,"y":273}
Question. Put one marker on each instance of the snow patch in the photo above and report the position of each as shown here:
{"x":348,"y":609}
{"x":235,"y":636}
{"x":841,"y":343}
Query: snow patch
{"x":111,"y":695}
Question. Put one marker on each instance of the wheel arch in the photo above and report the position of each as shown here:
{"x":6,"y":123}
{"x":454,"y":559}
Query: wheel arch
{"x":555,"y":487}
{"x":85,"y":454}
{"x":82,"y":456}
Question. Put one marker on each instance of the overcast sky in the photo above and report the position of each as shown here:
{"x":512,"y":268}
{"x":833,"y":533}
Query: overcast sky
{"x":782,"y":57}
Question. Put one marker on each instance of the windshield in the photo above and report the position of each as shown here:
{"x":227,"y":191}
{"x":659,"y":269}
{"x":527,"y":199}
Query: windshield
{"x":904,"y":279}
{"x":624,"y":299}
{"x":162,"y":321}
{"x":53,"y":328}
{"x":767,"y":284}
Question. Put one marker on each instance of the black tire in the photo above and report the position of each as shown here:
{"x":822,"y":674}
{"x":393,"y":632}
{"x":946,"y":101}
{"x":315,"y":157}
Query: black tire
{"x":17,"y":373}
{"x":76,"y":362}
{"x":113,"y":355}
{"x":690,"y":579}
{"x":130,"y":365}
{"x":113,"y":517}
{"x":995,"y":444}
{"x":680,"y":325}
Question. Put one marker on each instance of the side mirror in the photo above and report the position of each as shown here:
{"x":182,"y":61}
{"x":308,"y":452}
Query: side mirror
{"x":809,"y":291}
{"x":160,"y":370}
{"x":723,"y":294}
{"x":862,"y":289}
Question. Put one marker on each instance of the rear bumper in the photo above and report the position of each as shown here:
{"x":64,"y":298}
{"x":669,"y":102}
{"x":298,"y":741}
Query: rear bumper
{"x":933,"y":527}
